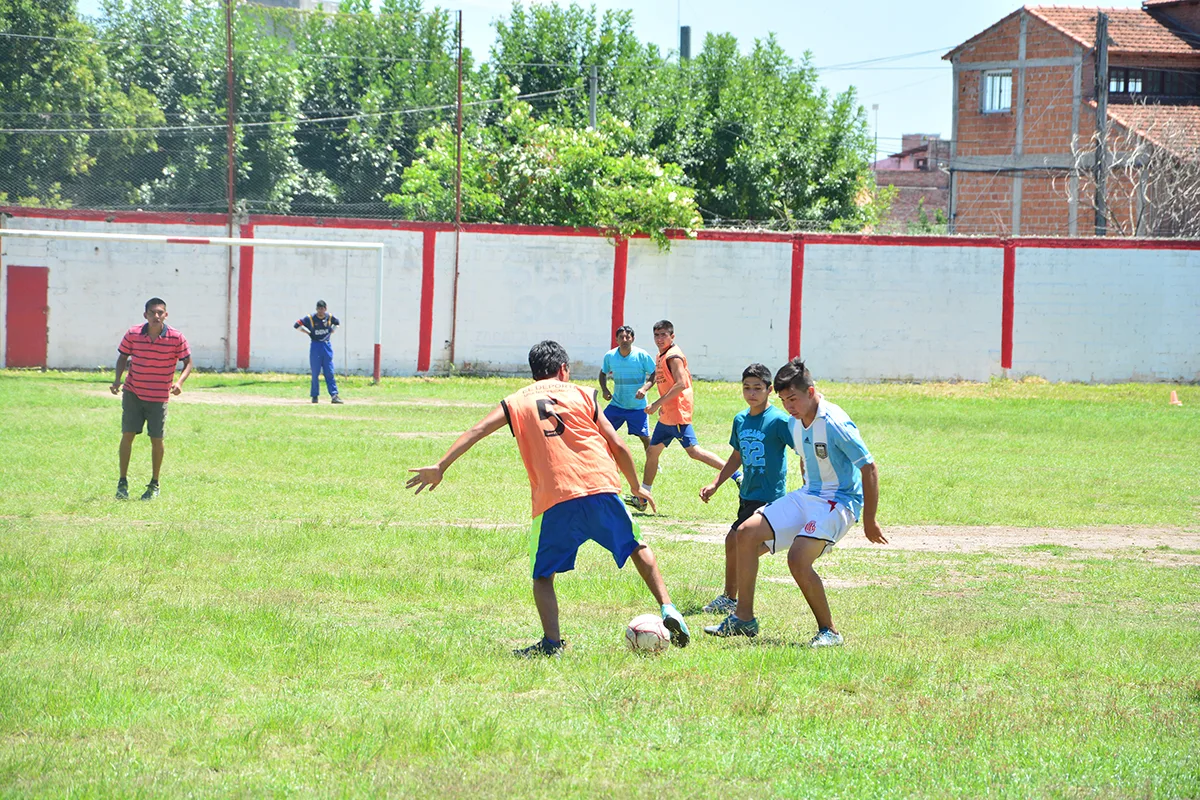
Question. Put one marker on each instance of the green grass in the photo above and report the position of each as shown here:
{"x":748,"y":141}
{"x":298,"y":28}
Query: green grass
{"x":286,"y":620}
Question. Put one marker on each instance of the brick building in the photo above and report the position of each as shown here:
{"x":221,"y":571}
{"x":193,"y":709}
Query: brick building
{"x":919,"y":174}
{"x":1025,"y":114}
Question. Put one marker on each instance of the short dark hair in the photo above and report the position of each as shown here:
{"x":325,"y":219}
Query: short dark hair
{"x":793,"y":375}
{"x":546,"y":358}
{"x":759,"y":371}
{"x":664,"y":325}
{"x":624,"y":329}
{"x":321,"y":304}
{"x":155,"y":301}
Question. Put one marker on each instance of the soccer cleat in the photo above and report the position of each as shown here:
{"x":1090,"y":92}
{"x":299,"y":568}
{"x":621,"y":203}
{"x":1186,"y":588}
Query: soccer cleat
{"x":732,"y":626}
{"x":673,"y":621}
{"x":122,"y":489}
{"x":337,"y":401}
{"x":636,"y":503}
{"x":826,"y":638}
{"x":151,"y":491}
{"x":737,"y":478}
{"x":721,"y":604}
{"x":544,"y":648}
{"x":315,"y":400}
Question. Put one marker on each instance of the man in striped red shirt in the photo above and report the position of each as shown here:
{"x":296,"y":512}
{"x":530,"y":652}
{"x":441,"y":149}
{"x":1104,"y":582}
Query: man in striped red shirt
{"x":151,"y":352}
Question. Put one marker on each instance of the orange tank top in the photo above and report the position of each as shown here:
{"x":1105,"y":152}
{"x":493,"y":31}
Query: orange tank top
{"x":566,"y":456}
{"x":677,"y":410}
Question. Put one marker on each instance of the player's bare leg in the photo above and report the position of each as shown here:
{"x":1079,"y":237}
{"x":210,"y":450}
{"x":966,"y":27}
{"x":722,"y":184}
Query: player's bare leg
{"x":752,"y":536}
{"x":705,"y":457}
{"x":731,"y":565}
{"x":645,"y":442}
{"x":801,"y":555}
{"x":157,"y":449}
{"x":547,"y":606}
{"x":647,"y":566}
{"x":651,"y":470}
{"x":126,"y":451}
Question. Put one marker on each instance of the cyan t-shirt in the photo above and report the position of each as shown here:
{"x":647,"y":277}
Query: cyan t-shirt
{"x":762,"y":441}
{"x":629,"y":373}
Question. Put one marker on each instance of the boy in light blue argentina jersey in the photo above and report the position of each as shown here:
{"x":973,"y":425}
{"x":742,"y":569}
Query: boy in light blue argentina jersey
{"x":760,"y":437}
{"x":632,"y":371}
{"x":842,"y":486}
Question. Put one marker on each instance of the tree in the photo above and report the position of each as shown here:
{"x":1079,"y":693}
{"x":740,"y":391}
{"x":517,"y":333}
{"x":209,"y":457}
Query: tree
{"x":58,"y":80}
{"x":525,"y":171}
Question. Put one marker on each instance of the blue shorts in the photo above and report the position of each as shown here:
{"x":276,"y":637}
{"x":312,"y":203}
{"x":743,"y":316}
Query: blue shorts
{"x":635,"y":419}
{"x":665,"y":434}
{"x":558,"y":532}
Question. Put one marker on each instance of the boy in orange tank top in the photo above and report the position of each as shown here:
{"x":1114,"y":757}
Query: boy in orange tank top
{"x":674,"y":409}
{"x":572,"y":456}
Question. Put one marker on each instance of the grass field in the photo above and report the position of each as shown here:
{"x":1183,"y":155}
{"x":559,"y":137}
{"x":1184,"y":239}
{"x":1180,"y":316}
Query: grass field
{"x":286,"y":620}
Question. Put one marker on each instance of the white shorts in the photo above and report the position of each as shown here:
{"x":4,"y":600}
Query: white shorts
{"x":799,"y":513}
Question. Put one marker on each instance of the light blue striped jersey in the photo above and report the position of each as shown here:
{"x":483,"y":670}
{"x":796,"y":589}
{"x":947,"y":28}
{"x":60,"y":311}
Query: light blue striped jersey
{"x":629,"y":373}
{"x":834,"y":455}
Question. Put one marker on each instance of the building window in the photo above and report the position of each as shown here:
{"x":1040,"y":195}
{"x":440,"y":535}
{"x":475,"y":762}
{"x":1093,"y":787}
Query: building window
{"x":997,"y":92}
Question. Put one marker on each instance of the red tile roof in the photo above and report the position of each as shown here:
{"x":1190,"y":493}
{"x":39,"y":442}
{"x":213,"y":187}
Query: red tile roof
{"x":1177,"y":128}
{"x":1130,"y":30}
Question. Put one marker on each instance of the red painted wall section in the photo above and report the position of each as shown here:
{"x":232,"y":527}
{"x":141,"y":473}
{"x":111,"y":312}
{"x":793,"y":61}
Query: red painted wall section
{"x":797,"y":297}
{"x":620,"y":275}
{"x":1006,"y":314}
{"x":26,"y":317}
{"x":245,"y":295}
{"x":424,"y":344}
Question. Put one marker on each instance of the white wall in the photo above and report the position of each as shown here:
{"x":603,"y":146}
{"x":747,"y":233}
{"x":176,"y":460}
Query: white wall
{"x":1107,"y":315}
{"x":97,"y":289}
{"x":870,"y":312}
{"x":879,"y":312}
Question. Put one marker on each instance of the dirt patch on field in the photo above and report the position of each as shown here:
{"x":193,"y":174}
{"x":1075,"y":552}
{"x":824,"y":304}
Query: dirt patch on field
{"x":421,"y":434}
{"x":973,"y":539}
{"x":225,"y":398}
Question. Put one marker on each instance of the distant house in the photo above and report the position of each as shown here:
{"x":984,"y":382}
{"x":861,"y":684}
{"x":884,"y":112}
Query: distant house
{"x":299,"y":5}
{"x":919,"y":174}
{"x":1025,"y":114}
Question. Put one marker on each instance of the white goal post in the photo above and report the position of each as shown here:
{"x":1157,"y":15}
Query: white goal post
{"x":227,"y":241}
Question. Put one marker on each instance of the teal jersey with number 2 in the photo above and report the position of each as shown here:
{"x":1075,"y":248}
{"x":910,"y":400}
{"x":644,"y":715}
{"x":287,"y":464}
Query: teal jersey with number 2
{"x":762,"y":440}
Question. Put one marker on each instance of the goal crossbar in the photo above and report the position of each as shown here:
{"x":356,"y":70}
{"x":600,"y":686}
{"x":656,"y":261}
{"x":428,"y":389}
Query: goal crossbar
{"x":233,"y":241}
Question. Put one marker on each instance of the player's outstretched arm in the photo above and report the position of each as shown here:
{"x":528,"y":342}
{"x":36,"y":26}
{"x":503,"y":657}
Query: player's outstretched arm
{"x":429,"y":477}
{"x":676,"y":367}
{"x":624,"y":459}
{"x":731,"y":466}
{"x":870,"y":482}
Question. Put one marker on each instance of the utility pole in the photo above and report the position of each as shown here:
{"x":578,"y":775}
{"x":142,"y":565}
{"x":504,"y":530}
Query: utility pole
{"x":593,"y":82}
{"x":875,"y":155}
{"x":1101,"y":152}
{"x":458,"y":126}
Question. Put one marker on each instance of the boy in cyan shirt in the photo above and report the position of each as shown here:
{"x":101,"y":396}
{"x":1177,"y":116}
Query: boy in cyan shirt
{"x":760,"y":436}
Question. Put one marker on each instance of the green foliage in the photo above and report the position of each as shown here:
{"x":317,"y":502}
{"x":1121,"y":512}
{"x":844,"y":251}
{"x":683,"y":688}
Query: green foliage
{"x":925,"y":226}
{"x":521,"y":170}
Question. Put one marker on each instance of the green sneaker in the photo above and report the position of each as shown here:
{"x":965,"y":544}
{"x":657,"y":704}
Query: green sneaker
{"x":543,"y":649}
{"x":151,"y":491}
{"x":122,"y":489}
{"x":673,"y":621}
{"x":732,"y":626}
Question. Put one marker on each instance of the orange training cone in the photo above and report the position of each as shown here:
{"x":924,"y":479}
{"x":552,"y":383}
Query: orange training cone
{"x":1175,"y":401}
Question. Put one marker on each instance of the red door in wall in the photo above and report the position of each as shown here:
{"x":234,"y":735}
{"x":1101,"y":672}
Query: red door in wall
{"x":26,"y":317}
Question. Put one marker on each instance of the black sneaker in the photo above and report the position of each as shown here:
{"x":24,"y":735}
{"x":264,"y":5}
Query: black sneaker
{"x":151,"y":491}
{"x":315,"y":399}
{"x":122,"y":489}
{"x":544,"y":648}
{"x":337,"y":401}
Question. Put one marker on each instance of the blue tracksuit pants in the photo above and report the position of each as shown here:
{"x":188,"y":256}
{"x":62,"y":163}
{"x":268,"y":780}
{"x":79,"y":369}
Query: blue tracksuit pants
{"x":320,"y":359}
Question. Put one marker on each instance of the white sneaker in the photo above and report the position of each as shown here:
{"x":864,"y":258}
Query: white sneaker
{"x":826,"y":638}
{"x":721,"y":604}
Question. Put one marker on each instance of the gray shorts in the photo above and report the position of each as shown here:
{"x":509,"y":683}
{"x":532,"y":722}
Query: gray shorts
{"x":135,"y":412}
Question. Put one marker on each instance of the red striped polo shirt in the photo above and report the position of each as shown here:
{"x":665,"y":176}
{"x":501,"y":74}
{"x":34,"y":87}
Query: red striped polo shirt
{"x":152,"y":361}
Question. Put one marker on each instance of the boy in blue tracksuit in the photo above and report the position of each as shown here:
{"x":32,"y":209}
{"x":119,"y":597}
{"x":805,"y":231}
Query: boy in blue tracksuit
{"x":320,"y":327}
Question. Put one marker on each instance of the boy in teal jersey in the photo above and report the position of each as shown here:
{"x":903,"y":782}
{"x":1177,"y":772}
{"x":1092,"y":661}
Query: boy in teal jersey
{"x":760,"y":437}
{"x":632,"y":371}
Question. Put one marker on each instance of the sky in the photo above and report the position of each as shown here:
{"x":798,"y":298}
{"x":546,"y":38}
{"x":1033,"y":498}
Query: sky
{"x":913,"y":94}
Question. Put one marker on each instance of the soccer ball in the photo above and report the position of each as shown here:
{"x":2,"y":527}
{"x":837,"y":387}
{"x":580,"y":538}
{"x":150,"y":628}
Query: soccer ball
{"x":647,"y":634}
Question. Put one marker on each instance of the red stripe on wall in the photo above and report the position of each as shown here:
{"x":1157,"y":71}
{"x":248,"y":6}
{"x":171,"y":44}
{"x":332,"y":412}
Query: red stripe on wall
{"x":1006,"y":314}
{"x":428,"y":242}
{"x":797,"y":297}
{"x":620,"y":274}
{"x":245,"y":294}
